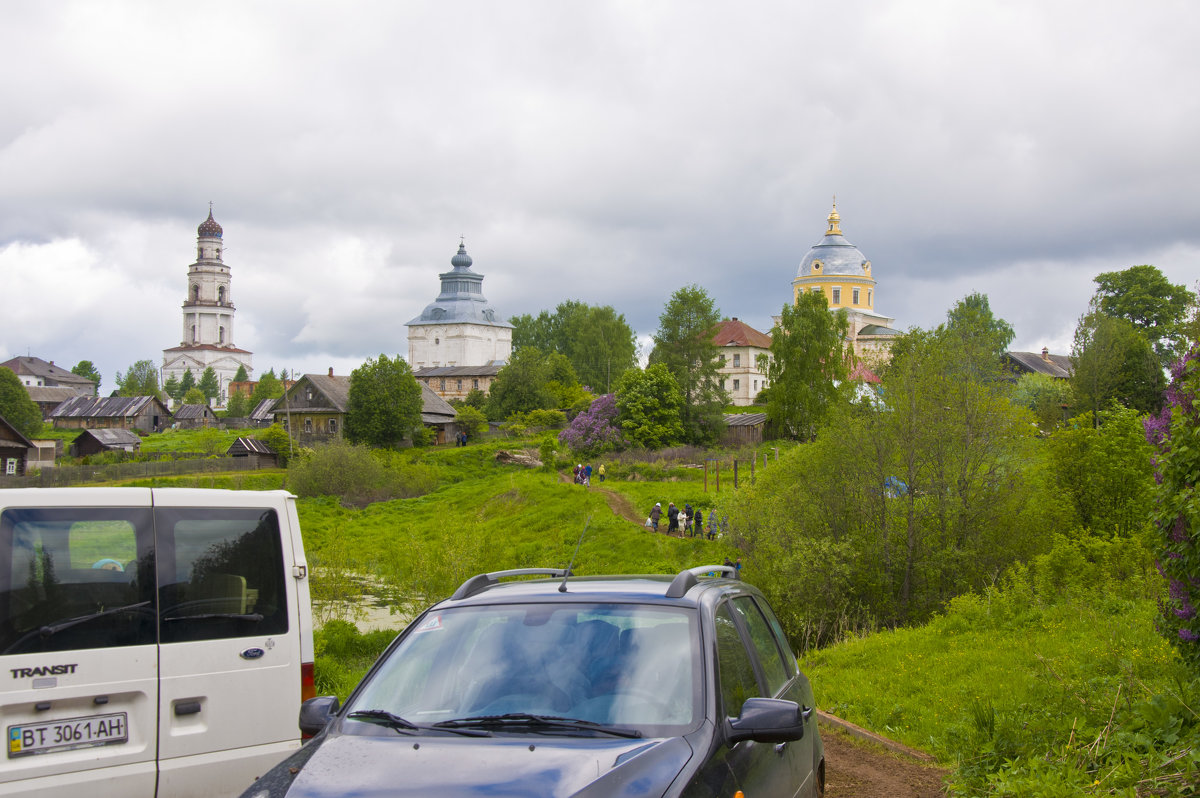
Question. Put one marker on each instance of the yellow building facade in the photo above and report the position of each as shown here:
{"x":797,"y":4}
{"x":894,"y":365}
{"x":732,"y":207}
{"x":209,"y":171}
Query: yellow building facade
{"x":837,"y":268}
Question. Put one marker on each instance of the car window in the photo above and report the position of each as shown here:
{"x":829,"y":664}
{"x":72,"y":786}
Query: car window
{"x":734,"y":666}
{"x":789,"y":657}
{"x":631,"y":665}
{"x":76,"y":578}
{"x":769,"y":656}
{"x":220,"y":573}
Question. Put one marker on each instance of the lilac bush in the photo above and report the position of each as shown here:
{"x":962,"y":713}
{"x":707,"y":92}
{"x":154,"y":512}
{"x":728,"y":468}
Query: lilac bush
{"x":1175,"y":432}
{"x":594,"y":430}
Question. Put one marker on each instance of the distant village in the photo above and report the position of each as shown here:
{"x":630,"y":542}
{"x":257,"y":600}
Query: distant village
{"x":458,"y":344}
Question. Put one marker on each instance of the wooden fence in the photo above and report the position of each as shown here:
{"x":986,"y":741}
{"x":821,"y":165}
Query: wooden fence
{"x":62,"y":476}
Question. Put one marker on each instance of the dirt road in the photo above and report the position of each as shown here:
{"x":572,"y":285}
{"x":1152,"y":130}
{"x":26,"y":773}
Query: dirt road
{"x":855,"y":768}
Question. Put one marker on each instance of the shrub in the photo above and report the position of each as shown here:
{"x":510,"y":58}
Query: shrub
{"x":352,"y":473}
{"x":595,"y":430}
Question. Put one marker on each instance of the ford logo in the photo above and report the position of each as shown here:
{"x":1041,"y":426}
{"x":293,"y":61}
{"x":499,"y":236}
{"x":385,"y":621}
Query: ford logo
{"x":252,"y":653}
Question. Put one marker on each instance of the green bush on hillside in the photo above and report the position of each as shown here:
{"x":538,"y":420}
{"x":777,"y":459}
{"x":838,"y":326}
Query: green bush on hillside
{"x":353,"y":473}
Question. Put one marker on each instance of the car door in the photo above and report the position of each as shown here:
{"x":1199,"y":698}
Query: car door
{"x":750,"y":664}
{"x":229,"y":646}
{"x":79,"y":678}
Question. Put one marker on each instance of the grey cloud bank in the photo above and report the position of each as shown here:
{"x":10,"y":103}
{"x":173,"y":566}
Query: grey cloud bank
{"x":608,"y":152}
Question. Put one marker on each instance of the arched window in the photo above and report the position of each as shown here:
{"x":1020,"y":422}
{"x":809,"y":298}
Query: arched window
{"x":220,"y":335}
{"x":193,"y":333}
{"x":195,"y":293}
{"x":221,"y":295}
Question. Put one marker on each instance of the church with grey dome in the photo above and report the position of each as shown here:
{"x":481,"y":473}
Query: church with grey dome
{"x":838,"y":269}
{"x":459,"y":335}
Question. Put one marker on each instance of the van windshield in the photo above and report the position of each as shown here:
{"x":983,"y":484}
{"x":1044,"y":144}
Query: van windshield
{"x":627,"y":665}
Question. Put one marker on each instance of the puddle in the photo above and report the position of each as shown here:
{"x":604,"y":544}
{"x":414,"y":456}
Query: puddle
{"x":361,"y":599}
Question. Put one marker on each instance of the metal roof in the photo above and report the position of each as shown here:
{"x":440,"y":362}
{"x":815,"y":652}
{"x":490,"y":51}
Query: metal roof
{"x":732,"y":332}
{"x":461,"y":300}
{"x":105,"y":407}
{"x":1058,"y":366}
{"x":488,"y":370}
{"x":184,"y":412}
{"x":111,"y":436}
{"x":745,"y":419}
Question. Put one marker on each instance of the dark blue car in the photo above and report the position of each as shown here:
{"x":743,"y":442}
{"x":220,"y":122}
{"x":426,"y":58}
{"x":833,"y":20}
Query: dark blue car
{"x":606,"y":686}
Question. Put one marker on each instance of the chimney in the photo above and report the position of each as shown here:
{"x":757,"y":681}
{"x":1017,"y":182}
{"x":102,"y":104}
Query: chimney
{"x":331,"y":371}
{"x":1045,"y":354}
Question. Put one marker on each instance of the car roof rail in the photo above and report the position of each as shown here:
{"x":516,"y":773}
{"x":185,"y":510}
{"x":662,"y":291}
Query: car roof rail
{"x":687,"y":579}
{"x":479,"y":582}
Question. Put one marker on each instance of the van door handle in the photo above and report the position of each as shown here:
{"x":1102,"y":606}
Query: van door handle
{"x":187,"y":707}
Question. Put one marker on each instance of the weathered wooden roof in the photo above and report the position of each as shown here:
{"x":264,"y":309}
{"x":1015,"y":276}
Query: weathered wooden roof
{"x":46,"y":394}
{"x":13,"y":437}
{"x":487,"y":370}
{"x":249,"y":446}
{"x":106,"y":407}
{"x":1058,"y":366}
{"x":745,"y":419}
{"x":111,"y":437}
{"x":435,"y":409}
{"x":334,"y":388}
{"x":46,"y":370}
{"x":262,"y":412}
{"x":186,"y":412}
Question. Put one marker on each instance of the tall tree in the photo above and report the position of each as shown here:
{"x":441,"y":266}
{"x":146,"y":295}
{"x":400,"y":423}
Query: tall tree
{"x":982,"y":338}
{"x":807,"y":362}
{"x":236,"y":407}
{"x":521,"y":385}
{"x":187,"y":382}
{"x":15,"y":405}
{"x":209,"y":385}
{"x":140,"y":380}
{"x":597,"y":340}
{"x":240,"y":375}
{"x":684,"y":344}
{"x":1145,"y":298}
{"x":649,"y":407}
{"x":269,"y":387}
{"x":88,"y":370}
{"x":384,"y":403}
{"x":1113,"y":362}
{"x":172,"y":388}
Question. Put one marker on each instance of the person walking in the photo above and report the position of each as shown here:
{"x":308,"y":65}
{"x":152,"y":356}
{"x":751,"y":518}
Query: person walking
{"x":587,"y":475}
{"x":712,"y":523}
{"x":699,"y":518}
{"x":655,"y":514}
{"x":601,"y":472}
{"x":672,"y":518}
{"x":687,"y":520}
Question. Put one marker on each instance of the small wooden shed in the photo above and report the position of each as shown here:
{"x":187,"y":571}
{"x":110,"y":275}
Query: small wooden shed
{"x":95,"y":441}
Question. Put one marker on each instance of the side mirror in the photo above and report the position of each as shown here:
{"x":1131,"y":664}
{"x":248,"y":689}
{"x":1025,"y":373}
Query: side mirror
{"x":766,"y":720}
{"x":316,"y":712}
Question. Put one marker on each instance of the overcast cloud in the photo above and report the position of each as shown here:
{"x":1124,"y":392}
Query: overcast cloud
{"x":601,"y":151}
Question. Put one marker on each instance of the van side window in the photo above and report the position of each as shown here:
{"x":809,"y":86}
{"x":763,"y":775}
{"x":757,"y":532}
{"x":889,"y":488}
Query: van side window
{"x":76,"y":578}
{"x":220,"y":573}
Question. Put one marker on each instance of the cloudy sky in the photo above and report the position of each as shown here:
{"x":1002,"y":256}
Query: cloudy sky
{"x":609,"y":152}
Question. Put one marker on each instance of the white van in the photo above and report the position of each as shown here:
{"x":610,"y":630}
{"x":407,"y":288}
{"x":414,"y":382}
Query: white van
{"x":153,"y":642}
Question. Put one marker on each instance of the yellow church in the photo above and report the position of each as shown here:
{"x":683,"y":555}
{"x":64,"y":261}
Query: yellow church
{"x":838,"y":269}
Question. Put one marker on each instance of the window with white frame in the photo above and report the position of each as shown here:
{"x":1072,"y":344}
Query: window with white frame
{"x":854,"y":300}
{"x":333,"y":425}
{"x":837,"y":295}
{"x":737,"y":384}
{"x":10,"y":466}
{"x":737,"y":360}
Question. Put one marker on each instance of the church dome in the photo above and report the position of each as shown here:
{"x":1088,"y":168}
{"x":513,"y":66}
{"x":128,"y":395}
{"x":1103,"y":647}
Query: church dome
{"x":834,"y":254}
{"x":461,"y":260}
{"x":209,"y":227}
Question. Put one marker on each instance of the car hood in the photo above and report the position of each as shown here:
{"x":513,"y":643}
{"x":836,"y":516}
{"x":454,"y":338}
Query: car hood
{"x":498,"y":767}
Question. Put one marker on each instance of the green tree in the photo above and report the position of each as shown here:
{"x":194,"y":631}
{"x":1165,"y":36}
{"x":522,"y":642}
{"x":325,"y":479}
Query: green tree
{"x":237,"y":406}
{"x":187,"y":383}
{"x":209,"y":385}
{"x":172,"y":388}
{"x":1144,"y":297}
{"x":597,"y":340}
{"x":471,"y":421}
{"x":1047,"y":397}
{"x":806,"y":365}
{"x":521,"y":385}
{"x":1113,"y":362}
{"x":280,"y":442}
{"x":194,"y":396}
{"x":88,"y":370}
{"x":684,"y":344}
{"x":476,"y":399}
{"x":240,"y":375}
{"x":140,"y":380}
{"x":15,"y":405}
{"x":649,"y":407}
{"x":384,"y":403}
{"x":1105,"y":473}
{"x":985,"y":337}
{"x":269,"y":387}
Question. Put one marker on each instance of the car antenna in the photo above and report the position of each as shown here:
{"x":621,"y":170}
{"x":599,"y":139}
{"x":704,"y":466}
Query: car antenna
{"x":563,"y":587}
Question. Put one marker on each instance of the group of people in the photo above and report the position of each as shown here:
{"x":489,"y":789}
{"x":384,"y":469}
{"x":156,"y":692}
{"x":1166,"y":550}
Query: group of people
{"x":687,"y":521}
{"x":460,"y":439}
{"x":583,"y":473}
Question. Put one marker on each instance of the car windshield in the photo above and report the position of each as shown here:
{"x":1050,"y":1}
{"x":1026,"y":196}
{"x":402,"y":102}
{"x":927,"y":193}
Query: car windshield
{"x":626,"y":665}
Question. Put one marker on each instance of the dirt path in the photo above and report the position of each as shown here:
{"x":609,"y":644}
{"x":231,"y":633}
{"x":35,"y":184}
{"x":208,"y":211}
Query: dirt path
{"x":858,"y":764}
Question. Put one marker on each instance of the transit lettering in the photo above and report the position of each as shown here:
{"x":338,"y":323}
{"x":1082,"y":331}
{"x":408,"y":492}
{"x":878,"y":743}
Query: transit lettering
{"x":42,"y":670}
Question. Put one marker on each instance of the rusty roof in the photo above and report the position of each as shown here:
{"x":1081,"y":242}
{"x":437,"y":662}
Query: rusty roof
{"x":732,"y":332}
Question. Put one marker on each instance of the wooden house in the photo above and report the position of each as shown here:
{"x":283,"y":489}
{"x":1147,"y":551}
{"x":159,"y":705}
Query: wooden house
{"x":144,"y":413}
{"x":15,"y":450}
{"x":194,"y":417}
{"x":98,"y":441}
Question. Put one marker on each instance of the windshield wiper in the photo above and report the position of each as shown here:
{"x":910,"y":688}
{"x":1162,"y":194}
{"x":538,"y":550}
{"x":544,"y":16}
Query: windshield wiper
{"x":405,"y":726}
{"x":52,"y":629}
{"x":525,"y":720}
{"x":237,"y":616}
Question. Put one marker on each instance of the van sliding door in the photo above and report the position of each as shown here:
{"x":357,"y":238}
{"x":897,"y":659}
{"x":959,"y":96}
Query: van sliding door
{"x":229,"y":650}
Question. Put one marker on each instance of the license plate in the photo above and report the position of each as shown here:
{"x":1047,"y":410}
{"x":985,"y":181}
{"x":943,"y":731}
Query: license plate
{"x":61,"y":735}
